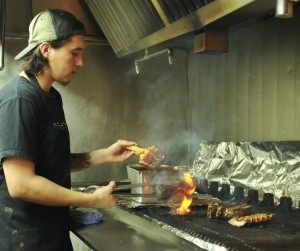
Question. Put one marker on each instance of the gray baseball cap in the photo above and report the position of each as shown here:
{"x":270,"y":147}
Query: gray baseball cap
{"x":51,"y":25}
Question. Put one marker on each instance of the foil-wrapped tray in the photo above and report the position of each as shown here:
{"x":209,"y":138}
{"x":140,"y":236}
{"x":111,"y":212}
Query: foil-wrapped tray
{"x":268,"y":167}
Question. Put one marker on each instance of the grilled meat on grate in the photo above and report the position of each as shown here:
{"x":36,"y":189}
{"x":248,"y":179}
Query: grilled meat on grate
{"x":251,"y":219}
{"x":217,"y":210}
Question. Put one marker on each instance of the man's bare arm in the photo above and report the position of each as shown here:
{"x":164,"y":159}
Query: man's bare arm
{"x":80,"y":161}
{"x":117,"y":152}
{"x":24,"y":184}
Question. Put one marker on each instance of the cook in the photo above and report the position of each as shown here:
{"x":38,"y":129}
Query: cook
{"x":35,"y":157}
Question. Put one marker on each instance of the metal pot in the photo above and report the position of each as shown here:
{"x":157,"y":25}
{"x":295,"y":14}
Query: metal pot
{"x":156,"y":178}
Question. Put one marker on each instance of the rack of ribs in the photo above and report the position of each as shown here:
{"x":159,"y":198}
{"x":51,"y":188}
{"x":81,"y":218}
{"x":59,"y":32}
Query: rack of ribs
{"x":218,"y":210}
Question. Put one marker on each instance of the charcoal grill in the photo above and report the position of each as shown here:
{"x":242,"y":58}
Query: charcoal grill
{"x":274,"y":162}
{"x":282,"y":233}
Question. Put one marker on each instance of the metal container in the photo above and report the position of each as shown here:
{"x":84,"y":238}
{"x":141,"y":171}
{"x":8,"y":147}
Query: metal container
{"x":162,"y":176}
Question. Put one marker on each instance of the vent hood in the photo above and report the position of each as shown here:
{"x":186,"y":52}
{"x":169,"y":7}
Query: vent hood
{"x":134,"y":25}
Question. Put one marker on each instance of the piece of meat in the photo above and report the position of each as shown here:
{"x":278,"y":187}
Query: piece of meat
{"x":150,"y":156}
{"x":218,"y":210}
{"x":214,"y":210}
{"x":251,"y":219}
{"x":236,"y":211}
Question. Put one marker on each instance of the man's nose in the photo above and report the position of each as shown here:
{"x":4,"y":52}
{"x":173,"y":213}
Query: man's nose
{"x":79,"y":62}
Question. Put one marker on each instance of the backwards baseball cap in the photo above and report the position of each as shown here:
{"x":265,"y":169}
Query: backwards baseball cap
{"x":51,"y":25}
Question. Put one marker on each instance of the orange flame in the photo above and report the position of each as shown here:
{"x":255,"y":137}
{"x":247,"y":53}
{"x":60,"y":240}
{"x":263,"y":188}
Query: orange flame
{"x":189,"y":180}
{"x":185,"y":204}
{"x":147,"y":189}
{"x":187,"y":199}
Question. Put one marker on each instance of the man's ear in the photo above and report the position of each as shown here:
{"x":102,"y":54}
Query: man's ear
{"x":45,"y":49}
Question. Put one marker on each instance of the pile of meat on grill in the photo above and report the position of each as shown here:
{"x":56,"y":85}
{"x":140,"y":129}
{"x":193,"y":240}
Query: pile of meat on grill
{"x":236,"y":215}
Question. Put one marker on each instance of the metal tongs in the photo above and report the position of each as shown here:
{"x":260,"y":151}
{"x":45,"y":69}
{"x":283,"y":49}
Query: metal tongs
{"x":118,"y":190}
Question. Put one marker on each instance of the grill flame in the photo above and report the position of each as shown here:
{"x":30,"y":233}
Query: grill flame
{"x":188,"y":190}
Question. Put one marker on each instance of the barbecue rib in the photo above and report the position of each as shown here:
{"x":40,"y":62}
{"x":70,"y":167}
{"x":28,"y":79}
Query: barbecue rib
{"x":251,"y":219}
{"x":150,"y":157}
{"x":217,"y":210}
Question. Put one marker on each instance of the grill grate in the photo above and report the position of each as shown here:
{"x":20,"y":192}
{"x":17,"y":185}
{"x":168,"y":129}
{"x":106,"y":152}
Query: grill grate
{"x":283,"y":233}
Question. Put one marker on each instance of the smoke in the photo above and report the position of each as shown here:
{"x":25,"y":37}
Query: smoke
{"x":157,"y":111}
{"x":157,"y":106}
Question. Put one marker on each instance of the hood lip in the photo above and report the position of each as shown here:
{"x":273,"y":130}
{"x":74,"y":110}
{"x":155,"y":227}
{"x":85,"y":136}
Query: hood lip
{"x":212,"y":14}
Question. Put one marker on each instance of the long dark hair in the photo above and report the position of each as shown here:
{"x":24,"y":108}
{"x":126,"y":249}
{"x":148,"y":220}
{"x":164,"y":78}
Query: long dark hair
{"x":34,"y":62}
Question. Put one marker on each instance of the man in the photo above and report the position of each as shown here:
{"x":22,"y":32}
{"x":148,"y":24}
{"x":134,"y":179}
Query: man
{"x":35,"y":166}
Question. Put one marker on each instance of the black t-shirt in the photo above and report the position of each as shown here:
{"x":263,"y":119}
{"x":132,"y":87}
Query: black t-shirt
{"x":33,"y":126}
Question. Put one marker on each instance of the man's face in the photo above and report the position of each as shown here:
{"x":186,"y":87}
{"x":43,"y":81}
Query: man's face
{"x":66,"y":60}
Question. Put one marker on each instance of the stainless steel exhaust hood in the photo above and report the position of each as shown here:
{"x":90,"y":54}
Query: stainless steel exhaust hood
{"x":134,"y":25}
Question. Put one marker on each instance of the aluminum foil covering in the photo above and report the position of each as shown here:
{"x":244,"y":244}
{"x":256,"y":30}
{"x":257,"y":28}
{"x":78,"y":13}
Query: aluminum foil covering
{"x":269,"y":167}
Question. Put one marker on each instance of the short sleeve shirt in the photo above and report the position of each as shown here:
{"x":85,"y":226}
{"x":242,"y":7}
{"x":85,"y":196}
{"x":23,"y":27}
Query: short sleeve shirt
{"x":33,"y":126}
